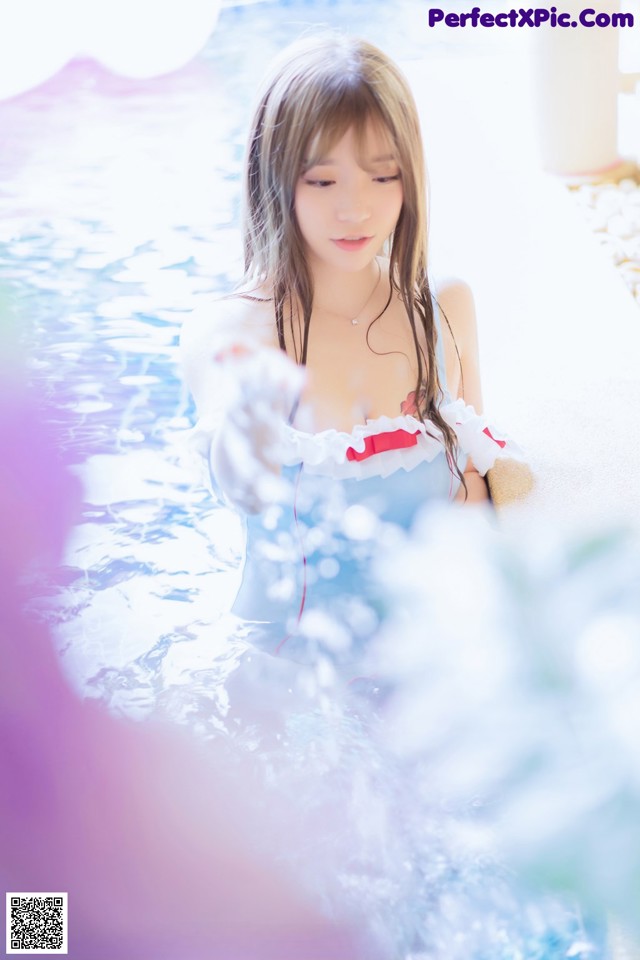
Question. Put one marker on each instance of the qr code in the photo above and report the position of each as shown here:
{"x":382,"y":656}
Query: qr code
{"x":37,"y":923}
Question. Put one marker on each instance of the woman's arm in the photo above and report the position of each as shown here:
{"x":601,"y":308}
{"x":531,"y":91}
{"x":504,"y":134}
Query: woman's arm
{"x":206,"y":332}
{"x":243,"y":390}
{"x":456,"y":300}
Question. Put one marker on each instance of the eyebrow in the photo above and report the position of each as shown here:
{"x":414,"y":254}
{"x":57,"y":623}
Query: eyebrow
{"x":329,"y":161}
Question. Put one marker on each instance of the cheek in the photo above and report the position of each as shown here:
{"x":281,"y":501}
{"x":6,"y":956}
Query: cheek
{"x":395,"y":206}
{"x":299,"y":207}
{"x":303,"y":211}
{"x":297,"y":214}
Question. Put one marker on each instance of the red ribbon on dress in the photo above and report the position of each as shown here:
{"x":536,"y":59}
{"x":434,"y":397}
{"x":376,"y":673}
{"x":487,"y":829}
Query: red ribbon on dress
{"x":380,"y":442}
{"x":501,"y":443}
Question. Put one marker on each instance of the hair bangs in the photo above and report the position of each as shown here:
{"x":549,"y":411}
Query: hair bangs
{"x":353,"y":108}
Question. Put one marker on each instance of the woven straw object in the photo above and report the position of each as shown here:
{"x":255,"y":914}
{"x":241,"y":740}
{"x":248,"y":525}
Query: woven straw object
{"x":510,"y":481}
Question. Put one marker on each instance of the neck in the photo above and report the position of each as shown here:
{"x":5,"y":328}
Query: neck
{"x":343,"y":293}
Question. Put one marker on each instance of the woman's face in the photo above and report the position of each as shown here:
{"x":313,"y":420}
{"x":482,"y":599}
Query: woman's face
{"x":348,"y":203}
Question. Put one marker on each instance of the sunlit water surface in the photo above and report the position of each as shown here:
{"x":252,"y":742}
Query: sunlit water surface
{"x":120,"y":213}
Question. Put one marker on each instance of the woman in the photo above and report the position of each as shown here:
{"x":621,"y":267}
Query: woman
{"x":335,"y":279}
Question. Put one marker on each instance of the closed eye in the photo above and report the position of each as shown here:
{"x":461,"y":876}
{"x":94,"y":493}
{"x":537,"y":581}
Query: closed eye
{"x":396,"y":176}
{"x":318,"y":183}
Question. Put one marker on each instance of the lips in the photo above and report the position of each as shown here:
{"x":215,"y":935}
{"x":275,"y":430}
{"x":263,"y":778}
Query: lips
{"x":352,"y":243}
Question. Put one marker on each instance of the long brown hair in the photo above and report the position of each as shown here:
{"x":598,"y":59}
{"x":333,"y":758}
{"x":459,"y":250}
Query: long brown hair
{"x":319,"y":88}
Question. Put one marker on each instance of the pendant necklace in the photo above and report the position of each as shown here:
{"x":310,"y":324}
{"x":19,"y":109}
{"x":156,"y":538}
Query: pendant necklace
{"x":356,"y":320}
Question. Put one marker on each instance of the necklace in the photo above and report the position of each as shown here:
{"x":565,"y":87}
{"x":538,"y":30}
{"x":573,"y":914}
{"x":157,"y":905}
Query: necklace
{"x":356,"y":320}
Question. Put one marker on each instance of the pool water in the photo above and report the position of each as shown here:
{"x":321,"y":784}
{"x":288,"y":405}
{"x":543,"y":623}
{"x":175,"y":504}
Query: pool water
{"x":120,"y":213}
{"x":119,"y":205}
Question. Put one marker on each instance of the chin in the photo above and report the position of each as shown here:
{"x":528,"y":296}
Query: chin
{"x":352,"y":262}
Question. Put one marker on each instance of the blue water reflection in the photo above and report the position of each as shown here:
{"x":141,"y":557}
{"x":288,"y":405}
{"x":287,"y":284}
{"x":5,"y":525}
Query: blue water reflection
{"x":120,"y":212}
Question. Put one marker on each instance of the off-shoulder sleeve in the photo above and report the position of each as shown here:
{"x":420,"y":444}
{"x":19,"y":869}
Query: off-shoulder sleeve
{"x":477,"y":437}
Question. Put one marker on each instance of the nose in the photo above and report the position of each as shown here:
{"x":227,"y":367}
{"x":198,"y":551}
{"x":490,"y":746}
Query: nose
{"x":353,"y":205}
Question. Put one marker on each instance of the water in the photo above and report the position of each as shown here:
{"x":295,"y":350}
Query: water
{"x":120,"y":211}
{"x":119,"y":214}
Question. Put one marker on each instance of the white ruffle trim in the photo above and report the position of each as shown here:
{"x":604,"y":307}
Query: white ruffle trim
{"x":477,"y":437}
{"x":325,"y":453}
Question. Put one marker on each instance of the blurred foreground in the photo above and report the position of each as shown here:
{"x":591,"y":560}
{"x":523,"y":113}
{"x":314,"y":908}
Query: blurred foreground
{"x":495,"y":738}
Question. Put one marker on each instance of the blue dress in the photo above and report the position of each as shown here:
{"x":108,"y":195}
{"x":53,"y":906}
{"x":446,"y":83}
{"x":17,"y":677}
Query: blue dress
{"x":307,"y":573}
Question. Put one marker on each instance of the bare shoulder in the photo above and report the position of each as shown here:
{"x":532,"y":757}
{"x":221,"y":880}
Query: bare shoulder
{"x":460,"y":340}
{"x":456,"y":301}
{"x":216,"y":320}
{"x":218,"y":323}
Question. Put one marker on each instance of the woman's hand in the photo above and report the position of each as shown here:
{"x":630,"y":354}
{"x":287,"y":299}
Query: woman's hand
{"x":477,"y":489}
{"x":260,"y":387}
